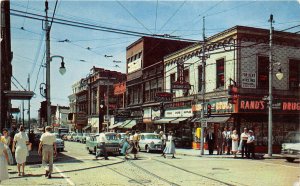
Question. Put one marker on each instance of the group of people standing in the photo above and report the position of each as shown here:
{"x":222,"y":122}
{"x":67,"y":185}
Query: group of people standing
{"x":229,"y":142}
{"x":18,"y":144}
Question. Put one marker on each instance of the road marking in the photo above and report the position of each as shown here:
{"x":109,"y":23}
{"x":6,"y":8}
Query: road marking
{"x":64,"y":176}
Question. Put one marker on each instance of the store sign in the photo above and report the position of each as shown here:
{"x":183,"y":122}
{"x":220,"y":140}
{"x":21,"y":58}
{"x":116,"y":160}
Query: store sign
{"x":122,"y":113}
{"x":80,"y":118}
{"x":177,"y":105}
{"x":163,"y":96}
{"x":279,"y":105}
{"x":181,"y":85}
{"x":248,"y":80}
{"x":179,"y":113}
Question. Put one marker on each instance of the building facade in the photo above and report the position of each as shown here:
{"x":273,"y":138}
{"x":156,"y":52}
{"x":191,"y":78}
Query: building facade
{"x":237,"y":59}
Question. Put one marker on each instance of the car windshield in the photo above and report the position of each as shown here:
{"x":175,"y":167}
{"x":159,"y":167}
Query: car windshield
{"x":79,"y":134}
{"x":293,"y":138}
{"x":151,"y":136}
{"x":111,"y":136}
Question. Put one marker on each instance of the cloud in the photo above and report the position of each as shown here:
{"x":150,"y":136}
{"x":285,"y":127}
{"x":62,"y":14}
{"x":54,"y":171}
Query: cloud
{"x":298,"y":1}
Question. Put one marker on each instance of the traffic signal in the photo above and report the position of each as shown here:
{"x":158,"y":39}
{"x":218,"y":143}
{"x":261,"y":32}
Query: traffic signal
{"x":232,"y":99}
{"x":208,"y":110}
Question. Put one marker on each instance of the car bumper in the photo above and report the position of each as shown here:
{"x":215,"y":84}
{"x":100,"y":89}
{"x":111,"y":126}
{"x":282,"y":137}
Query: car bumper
{"x":156,"y":147}
{"x":295,"y":156}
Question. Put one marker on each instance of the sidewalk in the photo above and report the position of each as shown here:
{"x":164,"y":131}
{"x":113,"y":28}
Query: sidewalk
{"x":196,"y":153}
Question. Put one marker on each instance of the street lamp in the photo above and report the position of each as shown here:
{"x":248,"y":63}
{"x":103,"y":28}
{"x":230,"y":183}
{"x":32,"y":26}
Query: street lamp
{"x":62,"y":71}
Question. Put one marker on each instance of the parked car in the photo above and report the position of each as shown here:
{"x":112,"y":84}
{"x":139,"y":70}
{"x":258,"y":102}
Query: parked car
{"x":60,"y":144}
{"x":291,"y":147}
{"x":77,"y":137}
{"x":150,"y":142}
{"x":112,"y":144}
{"x":82,"y":139}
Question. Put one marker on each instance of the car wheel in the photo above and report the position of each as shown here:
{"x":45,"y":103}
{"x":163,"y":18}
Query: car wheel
{"x":90,"y":152}
{"x":147,"y":149}
{"x":290,"y":159}
{"x":95,"y":150}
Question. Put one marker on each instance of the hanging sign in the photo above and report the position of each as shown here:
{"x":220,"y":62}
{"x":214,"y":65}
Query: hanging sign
{"x":248,"y":80}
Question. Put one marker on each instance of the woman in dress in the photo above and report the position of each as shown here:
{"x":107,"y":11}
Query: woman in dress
{"x":20,"y":147}
{"x":170,"y":145}
{"x":3,"y":163}
{"x":5,"y":139}
{"x":134,"y":143}
{"x":125,"y":146}
{"x":235,"y":142}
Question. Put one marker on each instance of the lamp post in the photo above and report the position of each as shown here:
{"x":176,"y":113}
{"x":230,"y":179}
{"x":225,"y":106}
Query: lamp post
{"x":101,"y":116}
{"x":279,"y":76}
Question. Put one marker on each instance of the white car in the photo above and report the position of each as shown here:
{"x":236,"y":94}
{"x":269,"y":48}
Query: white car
{"x":291,"y":147}
{"x":150,"y":142}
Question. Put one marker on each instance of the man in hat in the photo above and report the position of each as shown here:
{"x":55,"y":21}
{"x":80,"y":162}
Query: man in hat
{"x":48,"y":144}
{"x":251,"y":145}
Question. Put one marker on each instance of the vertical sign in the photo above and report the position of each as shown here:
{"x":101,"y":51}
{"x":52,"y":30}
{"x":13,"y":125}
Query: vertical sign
{"x":248,"y":80}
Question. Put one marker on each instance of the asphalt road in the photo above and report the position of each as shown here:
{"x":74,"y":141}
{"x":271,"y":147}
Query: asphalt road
{"x":76,"y":167}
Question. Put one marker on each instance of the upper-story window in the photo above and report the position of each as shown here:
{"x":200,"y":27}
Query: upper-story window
{"x":186,"y":74}
{"x":294,"y":75}
{"x":200,"y":71}
{"x":220,"y":73}
{"x":263,"y":72}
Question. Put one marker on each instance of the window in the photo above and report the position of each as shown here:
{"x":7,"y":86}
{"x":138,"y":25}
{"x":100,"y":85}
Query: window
{"x":172,"y":80}
{"x":186,"y":74}
{"x":263,"y":72}
{"x":294,"y":75}
{"x":200,"y":71}
{"x":220,"y":73}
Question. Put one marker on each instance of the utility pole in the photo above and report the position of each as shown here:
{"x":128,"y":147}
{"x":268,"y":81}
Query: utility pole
{"x":28,"y":81}
{"x":1,"y":124}
{"x":203,"y":89}
{"x":47,"y":29}
{"x":107,"y":103}
{"x":270,"y":117}
{"x":23,"y":116}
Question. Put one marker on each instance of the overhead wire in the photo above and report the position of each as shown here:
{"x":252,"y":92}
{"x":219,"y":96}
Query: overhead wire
{"x":17,"y":81}
{"x":134,"y":16}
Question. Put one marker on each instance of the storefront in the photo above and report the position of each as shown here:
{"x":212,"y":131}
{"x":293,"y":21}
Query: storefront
{"x":151,"y":114}
{"x":177,"y":118}
{"x":252,"y":113}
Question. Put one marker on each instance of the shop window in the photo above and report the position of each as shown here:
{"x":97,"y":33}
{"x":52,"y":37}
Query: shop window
{"x":220,"y":73}
{"x":263,"y":72}
{"x":294,"y":75}
{"x":200,"y":71}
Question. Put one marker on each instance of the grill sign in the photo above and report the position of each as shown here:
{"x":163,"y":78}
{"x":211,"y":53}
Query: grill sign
{"x":163,"y":96}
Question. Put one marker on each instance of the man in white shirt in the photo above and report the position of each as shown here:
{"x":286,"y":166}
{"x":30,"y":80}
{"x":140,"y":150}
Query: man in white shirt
{"x":48,"y":144}
{"x":244,"y":138}
{"x":251,"y":145}
{"x":101,"y":140}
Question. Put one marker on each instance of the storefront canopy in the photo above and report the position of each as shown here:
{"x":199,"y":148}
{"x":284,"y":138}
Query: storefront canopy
{"x":178,"y":120}
{"x":164,"y":120}
{"x":86,"y":127}
{"x":221,"y":119}
{"x":128,"y":124}
{"x":116,"y":125}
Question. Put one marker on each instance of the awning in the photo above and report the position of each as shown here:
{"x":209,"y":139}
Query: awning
{"x":221,"y":119}
{"x":195,"y":120}
{"x":163,"y":120}
{"x":178,"y":120}
{"x":86,"y":127}
{"x":115,"y":125}
{"x":128,"y":124}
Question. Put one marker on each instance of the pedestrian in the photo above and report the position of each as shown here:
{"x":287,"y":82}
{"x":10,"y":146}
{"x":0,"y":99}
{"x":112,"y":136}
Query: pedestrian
{"x":126,"y":145}
{"x":210,"y":139}
{"x":20,"y":148}
{"x":137,"y":138}
{"x":235,"y":142}
{"x":244,"y":145}
{"x":219,"y":142}
{"x":12,"y":135}
{"x":251,"y":145}
{"x":163,"y":139}
{"x":101,"y":140}
{"x":47,"y":148}
{"x":170,"y":145}
{"x":228,"y":139}
{"x":3,"y":163}
{"x":134,"y":143}
{"x":31,"y":136}
{"x":5,"y":139}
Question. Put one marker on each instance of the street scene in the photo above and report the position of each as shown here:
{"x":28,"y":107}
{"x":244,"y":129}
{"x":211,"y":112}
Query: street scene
{"x":150,"y":92}
{"x":75,"y":166}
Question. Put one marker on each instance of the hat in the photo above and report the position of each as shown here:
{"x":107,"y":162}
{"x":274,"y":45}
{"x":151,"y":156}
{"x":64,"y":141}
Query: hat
{"x":251,"y":131}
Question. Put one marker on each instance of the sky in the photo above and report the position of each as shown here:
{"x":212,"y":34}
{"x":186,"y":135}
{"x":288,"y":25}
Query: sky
{"x":86,"y":48}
